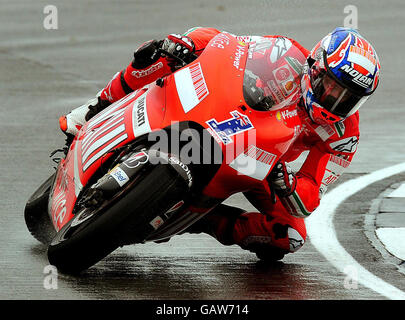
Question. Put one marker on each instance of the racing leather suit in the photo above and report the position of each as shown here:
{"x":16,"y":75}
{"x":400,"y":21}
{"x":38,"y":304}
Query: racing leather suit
{"x":280,"y":224}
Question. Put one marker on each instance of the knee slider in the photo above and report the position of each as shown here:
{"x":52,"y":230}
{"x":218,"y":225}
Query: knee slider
{"x":295,"y":239}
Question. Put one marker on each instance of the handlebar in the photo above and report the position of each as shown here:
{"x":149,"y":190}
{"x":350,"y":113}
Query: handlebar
{"x":171,"y":55}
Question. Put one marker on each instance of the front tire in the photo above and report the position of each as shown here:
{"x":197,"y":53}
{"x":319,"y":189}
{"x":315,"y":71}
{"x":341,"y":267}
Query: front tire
{"x":79,"y":245}
{"x":36,"y":214}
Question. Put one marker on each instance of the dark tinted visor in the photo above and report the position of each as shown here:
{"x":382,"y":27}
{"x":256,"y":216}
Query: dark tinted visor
{"x":332,"y":96}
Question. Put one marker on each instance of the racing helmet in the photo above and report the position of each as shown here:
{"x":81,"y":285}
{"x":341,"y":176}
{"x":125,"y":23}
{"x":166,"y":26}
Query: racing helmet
{"x":341,"y":72}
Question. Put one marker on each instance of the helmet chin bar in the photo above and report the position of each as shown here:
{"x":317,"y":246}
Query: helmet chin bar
{"x":328,"y":117}
{"x":322,"y":116}
{"x":317,"y":113}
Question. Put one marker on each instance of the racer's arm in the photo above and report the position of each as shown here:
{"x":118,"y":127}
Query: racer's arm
{"x":306,"y":195}
{"x":302,"y":191}
{"x":147,"y":65}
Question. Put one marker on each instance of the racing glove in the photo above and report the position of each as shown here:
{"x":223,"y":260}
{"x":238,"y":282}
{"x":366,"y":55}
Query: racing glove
{"x":146,"y":54}
{"x":282,"y":179}
{"x":178,"y":46}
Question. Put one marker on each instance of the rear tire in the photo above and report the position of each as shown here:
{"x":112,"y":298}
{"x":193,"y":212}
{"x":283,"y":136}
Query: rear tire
{"x":126,"y":220}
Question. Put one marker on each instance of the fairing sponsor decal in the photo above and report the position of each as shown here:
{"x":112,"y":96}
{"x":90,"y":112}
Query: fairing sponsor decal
{"x":103,"y":138}
{"x":191,"y":86}
{"x":254,"y":162}
{"x":229,"y":127}
{"x":119,"y":175}
{"x":140,"y":121}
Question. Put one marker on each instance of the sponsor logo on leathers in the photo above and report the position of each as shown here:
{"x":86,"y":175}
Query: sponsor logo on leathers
{"x":348,"y":145}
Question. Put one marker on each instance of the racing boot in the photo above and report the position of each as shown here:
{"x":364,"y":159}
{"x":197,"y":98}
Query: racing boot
{"x":71,"y":123}
{"x":218,"y":223}
{"x":249,"y":230}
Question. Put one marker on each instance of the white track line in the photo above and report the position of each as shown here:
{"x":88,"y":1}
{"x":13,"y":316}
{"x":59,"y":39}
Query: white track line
{"x":322,"y":235}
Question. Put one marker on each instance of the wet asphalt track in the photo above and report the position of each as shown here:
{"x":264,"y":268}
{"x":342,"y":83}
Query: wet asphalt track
{"x":45,"y":73}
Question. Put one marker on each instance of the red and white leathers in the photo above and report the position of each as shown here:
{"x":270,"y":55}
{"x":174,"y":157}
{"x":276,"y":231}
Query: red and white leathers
{"x":280,"y":224}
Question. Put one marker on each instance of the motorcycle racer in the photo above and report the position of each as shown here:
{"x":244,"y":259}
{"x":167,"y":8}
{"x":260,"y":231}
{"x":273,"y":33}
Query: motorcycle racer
{"x":338,"y":75}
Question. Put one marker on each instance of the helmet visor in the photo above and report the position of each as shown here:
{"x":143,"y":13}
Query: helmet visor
{"x":332,"y":96}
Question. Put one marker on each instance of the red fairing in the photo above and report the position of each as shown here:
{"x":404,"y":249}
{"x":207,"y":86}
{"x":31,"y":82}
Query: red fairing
{"x":117,"y":125}
{"x":195,"y":92}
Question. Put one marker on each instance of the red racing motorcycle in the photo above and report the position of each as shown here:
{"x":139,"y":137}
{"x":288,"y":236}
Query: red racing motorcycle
{"x":156,"y":161}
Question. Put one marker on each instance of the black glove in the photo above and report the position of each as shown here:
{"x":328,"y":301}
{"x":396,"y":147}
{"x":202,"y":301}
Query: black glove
{"x":147,"y":54}
{"x":282,"y":179}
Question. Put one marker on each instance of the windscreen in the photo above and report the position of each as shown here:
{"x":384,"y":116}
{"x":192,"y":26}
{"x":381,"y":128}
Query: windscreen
{"x":272,"y":74}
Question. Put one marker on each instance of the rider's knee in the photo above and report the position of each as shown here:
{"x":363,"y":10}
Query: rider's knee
{"x":295,"y":239}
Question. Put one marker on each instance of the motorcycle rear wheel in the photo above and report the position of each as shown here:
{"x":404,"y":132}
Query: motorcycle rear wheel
{"x":78,"y":246}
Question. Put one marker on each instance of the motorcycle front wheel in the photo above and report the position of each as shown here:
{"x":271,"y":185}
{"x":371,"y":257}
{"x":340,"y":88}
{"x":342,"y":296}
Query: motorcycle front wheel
{"x":36,"y":214}
{"x":93,"y":234}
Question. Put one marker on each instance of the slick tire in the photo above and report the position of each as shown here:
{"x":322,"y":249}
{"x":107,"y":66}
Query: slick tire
{"x":36,"y":214}
{"x":127,"y":220}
